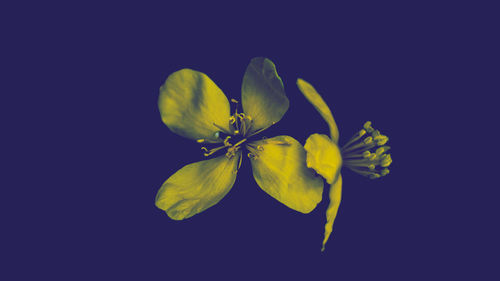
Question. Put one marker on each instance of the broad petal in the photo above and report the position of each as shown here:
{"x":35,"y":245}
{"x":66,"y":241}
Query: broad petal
{"x":262,"y":94}
{"x":315,"y":99}
{"x":280,"y":170}
{"x":197,"y":187}
{"x":333,"y":207}
{"x":323,"y":155}
{"x":190,"y":103}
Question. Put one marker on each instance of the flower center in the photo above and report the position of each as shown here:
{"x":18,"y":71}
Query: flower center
{"x":240,"y":125}
{"x":239,"y":128}
{"x":365,"y":153}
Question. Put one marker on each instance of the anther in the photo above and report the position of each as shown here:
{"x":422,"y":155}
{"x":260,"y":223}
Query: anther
{"x":226,"y":141}
{"x":386,"y":160}
{"x":236,"y":132}
{"x":381,"y":150}
{"x":234,"y":101}
{"x":252,"y":156}
{"x":200,"y":140}
{"x":384,"y":172}
{"x":366,"y":154}
{"x":260,"y":148}
{"x":374,"y":176}
{"x":381,"y":140}
{"x":368,"y":126}
{"x":204,"y":149}
{"x":368,"y":140}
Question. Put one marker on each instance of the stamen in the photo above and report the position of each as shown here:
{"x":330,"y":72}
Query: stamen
{"x":217,"y":140}
{"x":372,"y":164}
{"x":365,"y":144}
{"x":213,"y":150}
{"x":368,"y":126}
{"x":363,"y":172}
{"x":239,"y":164}
{"x":240,"y":142}
{"x":381,"y":140}
{"x":382,"y":150}
{"x":222,"y":129}
{"x":246,"y":123}
{"x":260,"y":130}
{"x":226,"y":141}
{"x":241,"y":116}
{"x":386,"y":161}
{"x":253,"y":154}
{"x":278,"y":142}
{"x":364,"y":155}
{"x":236,"y":123}
{"x":355,"y":138}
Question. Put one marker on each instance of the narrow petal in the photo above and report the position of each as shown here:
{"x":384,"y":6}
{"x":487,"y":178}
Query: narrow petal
{"x":262,"y":94}
{"x":315,"y":99}
{"x":197,"y":187}
{"x":190,"y":103}
{"x":333,"y":207}
{"x":279,"y":168}
{"x":323,"y":155}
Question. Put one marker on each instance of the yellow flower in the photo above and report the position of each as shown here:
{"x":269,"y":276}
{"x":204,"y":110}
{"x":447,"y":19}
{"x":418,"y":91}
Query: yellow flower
{"x":193,"y":106}
{"x":364,"y":153}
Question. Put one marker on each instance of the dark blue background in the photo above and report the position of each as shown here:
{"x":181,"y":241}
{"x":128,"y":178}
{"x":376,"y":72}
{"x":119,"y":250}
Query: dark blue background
{"x":87,"y":150}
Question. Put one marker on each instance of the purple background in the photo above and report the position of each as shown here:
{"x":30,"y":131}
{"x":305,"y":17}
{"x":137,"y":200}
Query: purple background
{"x":87,"y":150}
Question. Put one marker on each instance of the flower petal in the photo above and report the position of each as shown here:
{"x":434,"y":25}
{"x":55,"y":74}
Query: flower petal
{"x":190,"y":103}
{"x":262,"y":94}
{"x":323,"y":155}
{"x":315,"y":99}
{"x":333,"y":207}
{"x":197,"y":186}
{"x":280,"y":170}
